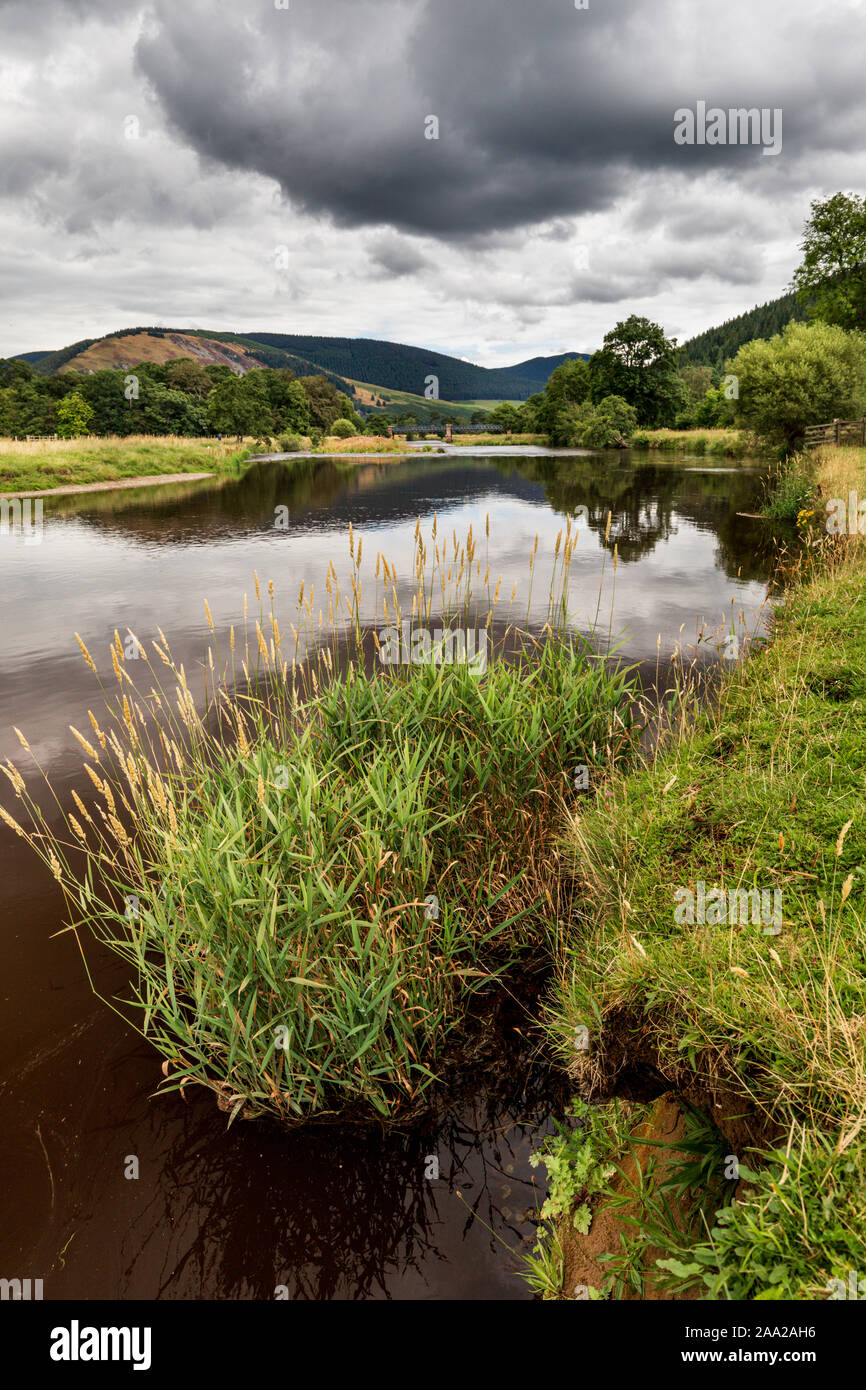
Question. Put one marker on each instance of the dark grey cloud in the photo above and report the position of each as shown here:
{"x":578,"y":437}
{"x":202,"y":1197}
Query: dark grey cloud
{"x":554,"y":202}
{"x":396,"y":256}
{"x":544,"y":111}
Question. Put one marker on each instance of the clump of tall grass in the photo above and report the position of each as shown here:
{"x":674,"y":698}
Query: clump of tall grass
{"x":293,"y":443}
{"x":727,"y":443}
{"x":790,"y":489}
{"x":312,"y":877}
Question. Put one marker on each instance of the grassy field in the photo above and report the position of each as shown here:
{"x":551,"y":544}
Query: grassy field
{"x":361,"y":444}
{"x":500,"y":439}
{"x":38,"y":464}
{"x":384,"y":398}
{"x":730,"y":443}
{"x":762,"y":1027}
{"x":26,"y":466}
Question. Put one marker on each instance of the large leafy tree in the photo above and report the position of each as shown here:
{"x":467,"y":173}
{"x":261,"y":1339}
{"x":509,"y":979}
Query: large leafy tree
{"x":325,"y":400}
{"x":185,"y":374}
{"x":638,"y":363}
{"x":567,"y":386}
{"x":832,"y":275}
{"x":240,"y":406}
{"x":27,"y":408}
{"x":74,"y":416}
{"x":507,"y":415}
{"x":289,"y":404}
{"x":104,"y":391}
{"x":160,"y":410}
{"x":13,"y":371}
{"x":808,"y":374}
{"x":608,"y":424}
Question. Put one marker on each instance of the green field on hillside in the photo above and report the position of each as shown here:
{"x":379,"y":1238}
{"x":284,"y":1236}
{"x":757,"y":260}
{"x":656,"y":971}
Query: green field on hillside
{"x":383,"y":398}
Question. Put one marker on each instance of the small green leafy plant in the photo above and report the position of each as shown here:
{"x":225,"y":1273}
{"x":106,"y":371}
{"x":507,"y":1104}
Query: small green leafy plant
{"x":577,"y":1166}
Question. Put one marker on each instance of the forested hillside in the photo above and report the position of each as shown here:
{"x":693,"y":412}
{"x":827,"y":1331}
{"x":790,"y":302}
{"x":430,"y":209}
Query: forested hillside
{"x":714,"y":346}
{"x":392,"y":366}
{"x":402,"y":367}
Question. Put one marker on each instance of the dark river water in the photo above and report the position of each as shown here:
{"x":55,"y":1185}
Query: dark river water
{"x":323,"y":1212}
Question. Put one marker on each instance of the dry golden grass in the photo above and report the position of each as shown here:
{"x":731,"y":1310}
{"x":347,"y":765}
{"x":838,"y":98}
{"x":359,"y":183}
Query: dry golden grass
{"x":95,"y":445}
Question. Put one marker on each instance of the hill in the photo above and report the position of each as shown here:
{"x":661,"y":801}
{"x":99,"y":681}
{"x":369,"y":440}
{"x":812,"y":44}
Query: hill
{"x":538,"y":369}
{"x":402,"y":367}
{"x":32,"y":357}
{"x":394,"y":367}
{"x":370,"y":398}
{"x":714,"y":346}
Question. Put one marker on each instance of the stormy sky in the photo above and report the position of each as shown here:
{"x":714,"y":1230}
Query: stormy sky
{"x":265,"y":164}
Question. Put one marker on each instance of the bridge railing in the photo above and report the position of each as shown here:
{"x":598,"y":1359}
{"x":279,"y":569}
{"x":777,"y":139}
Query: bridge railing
{"x":444,"y":429}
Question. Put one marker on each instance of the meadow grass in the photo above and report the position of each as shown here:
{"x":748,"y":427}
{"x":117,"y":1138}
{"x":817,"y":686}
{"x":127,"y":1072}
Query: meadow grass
{"x":761,"y":789}
{"x":315,"y":877}
{"x":26,"y":466}
{"x":791,"y":489}
{"x":500,"y":439}
{"x":360,"y":444}
{"x":727,"y":443}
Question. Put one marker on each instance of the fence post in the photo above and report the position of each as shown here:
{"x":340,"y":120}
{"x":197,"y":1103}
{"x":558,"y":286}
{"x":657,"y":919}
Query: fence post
{"x":836,"y":431}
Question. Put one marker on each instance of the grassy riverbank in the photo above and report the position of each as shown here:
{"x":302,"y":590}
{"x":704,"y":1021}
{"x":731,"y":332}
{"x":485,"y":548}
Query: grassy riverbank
{"x":727,"y":443}
{"x":319,"y":882}
{"x":503,"y":440}
{"x":44,"y":463}
{"x":763,"y":1028}
{"x":360,"y":444}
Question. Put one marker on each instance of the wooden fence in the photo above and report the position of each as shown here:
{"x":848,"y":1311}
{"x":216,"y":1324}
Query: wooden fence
{"x":836,"y":432}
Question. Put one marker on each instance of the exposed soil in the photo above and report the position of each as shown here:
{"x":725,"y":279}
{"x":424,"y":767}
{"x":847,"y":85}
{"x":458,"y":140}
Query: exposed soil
{"x":626,"y":1064}
{"x":582,"y":1266}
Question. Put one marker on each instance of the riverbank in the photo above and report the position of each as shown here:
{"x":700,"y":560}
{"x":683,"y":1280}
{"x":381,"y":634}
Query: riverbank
{"x":57,"y":467}
{"x":145,"y":559}
{"x":499,"y":440}
{"x":727,"y":443}
{"x":753,"y":1014}
{"x":40,"y":465}
{"x":64,"y":466}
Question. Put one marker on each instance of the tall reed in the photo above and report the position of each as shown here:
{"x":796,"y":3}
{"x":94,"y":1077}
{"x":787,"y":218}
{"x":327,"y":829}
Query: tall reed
{"x":313,"y":871}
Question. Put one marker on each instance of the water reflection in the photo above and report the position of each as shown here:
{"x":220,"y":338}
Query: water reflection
{"x":328,"y":1212}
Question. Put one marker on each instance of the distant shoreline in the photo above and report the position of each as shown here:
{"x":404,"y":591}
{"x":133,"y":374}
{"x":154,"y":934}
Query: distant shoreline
{"x":153,"y":480}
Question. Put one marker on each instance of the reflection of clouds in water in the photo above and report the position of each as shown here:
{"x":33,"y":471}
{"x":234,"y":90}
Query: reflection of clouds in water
{"x":337,"y":1213}
{"x":152,"y":562}
{"x":330,"y":1211}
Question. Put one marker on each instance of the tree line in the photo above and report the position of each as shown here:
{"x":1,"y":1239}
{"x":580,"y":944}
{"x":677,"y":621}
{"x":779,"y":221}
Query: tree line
{"x":807,"y":372}
{"x":809,"y":368}
{"x":180,"y":397}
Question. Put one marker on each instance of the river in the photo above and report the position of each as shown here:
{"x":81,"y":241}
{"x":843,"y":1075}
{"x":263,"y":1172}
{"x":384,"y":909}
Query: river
{"x":326,"y":1212}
